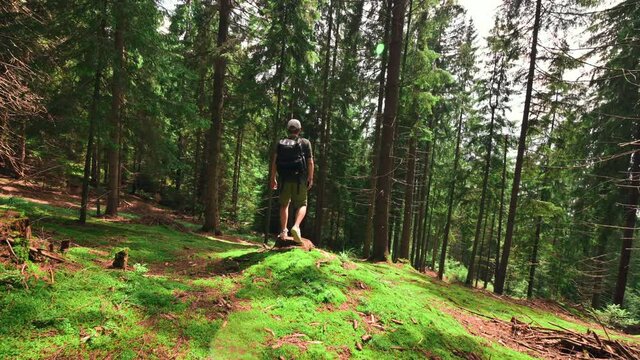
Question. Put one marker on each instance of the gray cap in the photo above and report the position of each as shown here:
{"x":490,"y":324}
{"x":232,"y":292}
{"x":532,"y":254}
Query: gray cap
{"x":295,"y":124}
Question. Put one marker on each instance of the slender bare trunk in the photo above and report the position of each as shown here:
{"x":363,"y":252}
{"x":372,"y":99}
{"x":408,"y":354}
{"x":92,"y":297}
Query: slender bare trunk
{"x":517,"y":173}
{"x":408,"y":201}
{"x":115,"y":117}
{"x":276,"y":119}
{"x":212,"y":206}
{"x":375,"y":151}
{"x":381,"y":216}
{"x":452,"y":190}
{"x":631,"y":209}
{"x":236,"y":173}
{"x":84,"y":200}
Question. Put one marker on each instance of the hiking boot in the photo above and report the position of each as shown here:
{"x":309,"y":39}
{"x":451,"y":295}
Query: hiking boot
{"x":297,"y":235}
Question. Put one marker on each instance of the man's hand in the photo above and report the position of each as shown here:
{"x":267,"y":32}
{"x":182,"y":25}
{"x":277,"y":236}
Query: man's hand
{"x":274,"y":184}
{"x":309,"y":183}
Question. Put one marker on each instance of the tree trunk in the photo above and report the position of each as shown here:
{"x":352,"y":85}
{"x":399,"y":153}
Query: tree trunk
{"x":534,"y":258}
{"x":375,"y":151}
{"x":631,"y":209}
{"x":428,"y":210}
{"x":197,"y":164}
{"x":84,"y":200}
{"x":503,"y":185}
{"x":276,"y":121}
{"x":600,"y":260}
{"x":543,"y":197}
{"x":517,"y":173}
{"x":325,"y":130}
{"x":420,"y":217}
{"x":486,"y":276}
{"x":484,"y":234}
{"x":23,"y":148}
{"x":408,"y":201}
{"x":115,"y":121}
{"x":415,"y":216}
{"x":485,"y":184}
{"x":452,"y":189}
{"x":236,"y":173}
{"x":381,"y":216}
{"x":212,"y":206}
{"x":91,"y":163}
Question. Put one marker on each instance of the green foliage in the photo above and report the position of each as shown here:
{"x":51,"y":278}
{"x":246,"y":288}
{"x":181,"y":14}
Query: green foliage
{"x":10,"y":278}
{"x":455,"y":271}
{"x":93,"y":309}
{"x":615,"y":316}
{"x":21,"y":249}
{"x":140,"y":269}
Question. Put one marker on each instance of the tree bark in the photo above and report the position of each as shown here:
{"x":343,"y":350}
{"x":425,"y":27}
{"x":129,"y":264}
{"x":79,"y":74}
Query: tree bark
{"x":485,"y":180}
{"x":375,"y":151}
{"x":325,"y":130}
{"x":503,"y":184}
{"x":484,"y":234}
{"x":212,"y":206}
{"x":631,"y":209}
{"x":408,"y":201}
{"x":276,"y":119}
{"x":236,"y":173}
{"x":534,"y":258}
{"x":428,"y":213}
{"x":543,"y":197}
{"x":486,"y":276}
{"x":517,"y":173}
{"x":84,"y":200}
{"x":452,"y":190}
{"x":115,"y":121}
{"x":381,"y":217}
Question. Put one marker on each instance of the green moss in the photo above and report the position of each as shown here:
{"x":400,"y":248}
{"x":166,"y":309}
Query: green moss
{"x":312,"y":297}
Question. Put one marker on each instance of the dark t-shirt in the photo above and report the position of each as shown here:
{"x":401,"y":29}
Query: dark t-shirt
{"x":306,"y":148}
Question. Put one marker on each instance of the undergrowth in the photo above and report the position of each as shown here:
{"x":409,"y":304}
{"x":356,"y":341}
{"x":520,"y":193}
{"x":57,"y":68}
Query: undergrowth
{"x":245,"y":304}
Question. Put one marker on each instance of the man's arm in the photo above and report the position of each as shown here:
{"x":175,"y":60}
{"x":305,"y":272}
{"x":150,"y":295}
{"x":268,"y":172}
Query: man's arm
{"x":310,"y":173}
{"x":274,"y":170}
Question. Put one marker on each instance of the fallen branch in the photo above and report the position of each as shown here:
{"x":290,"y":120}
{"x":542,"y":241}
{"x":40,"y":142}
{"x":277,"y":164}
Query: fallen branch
{"x":11,"y":249}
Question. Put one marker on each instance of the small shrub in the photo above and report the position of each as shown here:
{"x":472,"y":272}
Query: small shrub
{"x":347,"y":255}
{"x":140,"y":269}
{"x":455,"y":271}
{"x":21,"y":249}
{"x":614,"y":316}
{"x":11,"y":278}
{"x":147,"y":183}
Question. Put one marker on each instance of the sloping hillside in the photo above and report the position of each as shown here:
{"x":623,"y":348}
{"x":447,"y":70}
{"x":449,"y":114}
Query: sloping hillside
{"x":190,"y":295}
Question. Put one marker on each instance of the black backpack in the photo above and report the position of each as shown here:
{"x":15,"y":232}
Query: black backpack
{"x":290,"y":161}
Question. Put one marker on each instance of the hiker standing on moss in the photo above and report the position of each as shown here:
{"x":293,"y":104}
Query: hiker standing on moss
{"x":293,"y":163}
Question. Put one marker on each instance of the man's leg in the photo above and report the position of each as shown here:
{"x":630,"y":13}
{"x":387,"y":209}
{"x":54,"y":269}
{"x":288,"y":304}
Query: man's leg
{"x":284,"y":217}
{"x":302,"y":211}
{"x":299,"y":200}
{"x":285,"y":200}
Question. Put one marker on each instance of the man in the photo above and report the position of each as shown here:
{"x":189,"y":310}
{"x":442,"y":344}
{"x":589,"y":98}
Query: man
{"x":293,"y":163}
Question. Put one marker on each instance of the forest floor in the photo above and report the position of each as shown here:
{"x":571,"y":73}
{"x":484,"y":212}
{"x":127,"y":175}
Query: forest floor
{"x":192,"y":295}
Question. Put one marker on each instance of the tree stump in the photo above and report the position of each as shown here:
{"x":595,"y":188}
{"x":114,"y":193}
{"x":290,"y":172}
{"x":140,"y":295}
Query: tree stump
{"x":64,"y":245}
{"x":288,"y":243}
{"x":121,"y":259}
{"x":14,"y":225}
{"x":15,"y":233}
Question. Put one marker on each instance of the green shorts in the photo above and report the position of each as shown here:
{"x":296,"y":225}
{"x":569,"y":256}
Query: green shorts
{"x":293,"y":191}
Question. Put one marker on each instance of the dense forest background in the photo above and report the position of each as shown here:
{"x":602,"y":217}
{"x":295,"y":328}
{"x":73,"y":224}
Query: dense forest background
{"x":509,"y":163}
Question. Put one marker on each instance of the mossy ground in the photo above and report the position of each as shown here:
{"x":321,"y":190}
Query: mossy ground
{"x":198,"y":297}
